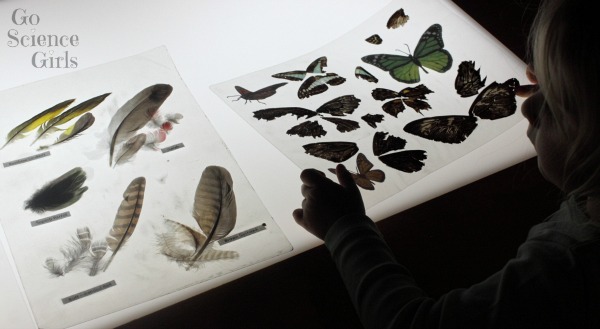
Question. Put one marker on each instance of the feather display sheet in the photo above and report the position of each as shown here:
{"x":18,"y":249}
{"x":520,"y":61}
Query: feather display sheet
{"x":59,"y":193}
{"x":135,"y":114}
{"x":127,"y":217}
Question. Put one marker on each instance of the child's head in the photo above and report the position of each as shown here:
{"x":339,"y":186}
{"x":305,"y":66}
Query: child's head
{"x":565,"y":56}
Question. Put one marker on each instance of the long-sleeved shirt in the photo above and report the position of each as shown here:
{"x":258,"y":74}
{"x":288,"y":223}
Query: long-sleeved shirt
{"x":553,"y":281}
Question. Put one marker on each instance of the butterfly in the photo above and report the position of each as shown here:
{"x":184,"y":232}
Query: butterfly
{"x":415,"y":98}
{"x":361,"y":73}
{"x":257,"y":95}
{"x":364,"y":177}
{"x":398,"y":18}
{"x":298,"y":75}
{"x":468,"y":80}
{"x":429,"y":53}
{"x":332,"y":151}
{"x":452,"y":129}
{"x":374,"y":39}
{"x":317,"y":84}
{"x":339,"y":106}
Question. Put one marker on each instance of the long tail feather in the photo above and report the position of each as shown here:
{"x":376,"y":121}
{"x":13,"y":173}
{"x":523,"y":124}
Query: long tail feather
{"x":83,"y":123}
{"x":37,"y":120}
{"x":69,"y":114}
{"x":214,"y":205}
{"x":127,"y":217}
{"x":135,"y":114}
{"x":58,"y":193}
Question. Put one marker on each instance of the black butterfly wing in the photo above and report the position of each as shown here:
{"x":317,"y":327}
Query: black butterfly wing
{"x":382,"y":143}
{"x":394,"y":107}
{"x":291,"y":75}
{"x":261,"y":93}
{"x":243,"y":91}
{"x":468,"y":80}
{"x":496,"y":101}
{"x":273,"y":113}
{"x":343,"y":125}
{"x":307,"y":128}
{"x":332,"y":151}
{"x":374,"y":39}
{"x":361,"y":73}
{"x":340,"y":106}
{"x":398,"y":18}
{"x":406,"y":161}
{"x":317,"y":84}
{"x":451,"y":129}
{"x":418,"y":92}
{"x":372,"y":119}
{"x":382,"y":94}
{"x":317,"y":65}
{"x":417,"y":104}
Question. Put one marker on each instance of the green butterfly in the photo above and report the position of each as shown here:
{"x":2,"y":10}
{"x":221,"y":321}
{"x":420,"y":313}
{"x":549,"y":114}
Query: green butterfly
{"x":428,"y":54}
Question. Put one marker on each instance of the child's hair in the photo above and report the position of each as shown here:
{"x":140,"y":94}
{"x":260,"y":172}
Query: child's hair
{"x":565,"y":54}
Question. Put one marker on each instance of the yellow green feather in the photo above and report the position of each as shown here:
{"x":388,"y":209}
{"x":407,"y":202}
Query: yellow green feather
{"x":36,"y":121}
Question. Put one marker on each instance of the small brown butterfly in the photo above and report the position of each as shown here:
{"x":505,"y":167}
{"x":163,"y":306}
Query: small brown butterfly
{"x":365,"y":176}
{"x":257,"y":95}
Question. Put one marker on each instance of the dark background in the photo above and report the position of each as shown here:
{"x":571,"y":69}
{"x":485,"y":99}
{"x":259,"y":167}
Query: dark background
{"x":452,"y":241}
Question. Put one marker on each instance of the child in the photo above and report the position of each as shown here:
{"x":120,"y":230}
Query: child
{"x":554,"y":280}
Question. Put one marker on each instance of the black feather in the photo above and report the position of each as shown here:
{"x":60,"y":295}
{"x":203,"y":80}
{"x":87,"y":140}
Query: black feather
{"x":58,"y":193}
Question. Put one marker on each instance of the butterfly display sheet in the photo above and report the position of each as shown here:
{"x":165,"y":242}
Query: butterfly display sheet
{"x":134,"y":228}
{"x":390,"y":91}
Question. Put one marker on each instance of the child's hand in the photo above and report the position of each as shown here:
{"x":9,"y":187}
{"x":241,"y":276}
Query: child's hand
{"x":326,"y":201}
{"x":530,"y":89}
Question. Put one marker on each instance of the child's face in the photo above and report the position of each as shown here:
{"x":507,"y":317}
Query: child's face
{"x":550,"y":143}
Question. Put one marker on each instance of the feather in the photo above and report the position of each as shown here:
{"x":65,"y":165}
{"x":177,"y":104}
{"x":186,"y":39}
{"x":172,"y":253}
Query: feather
{"x":83,"y":123}
{"x":58,"y":193}
{"x":130,"y":148}
{"x":135,"y":114}
{"x":127,"y":217}
{"x":214,"y":206}
{"x":69,"y":114}
{"x":97,"y":251}
{"x":54,"y":266}
{"x":75,"y":252}
{"x":180,"y":242}
{"x":34,"y":122}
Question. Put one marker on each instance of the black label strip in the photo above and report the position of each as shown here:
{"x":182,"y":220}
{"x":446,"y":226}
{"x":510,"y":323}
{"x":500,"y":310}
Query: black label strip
{"x":242,"y":234}
{"x":172,"y":148}
{"x":88,"y":292}
{"x":26,"y":159}
{"x":50,"y":219}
